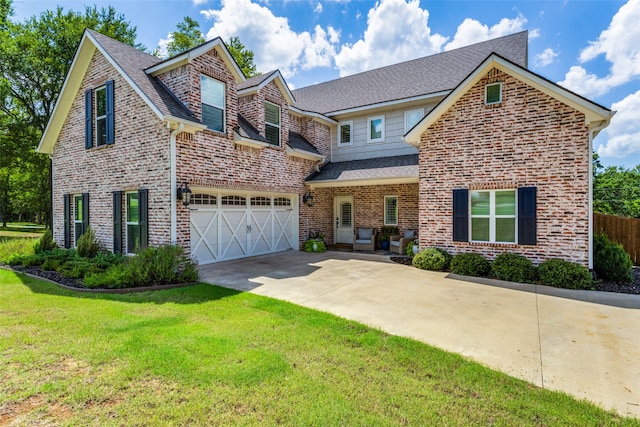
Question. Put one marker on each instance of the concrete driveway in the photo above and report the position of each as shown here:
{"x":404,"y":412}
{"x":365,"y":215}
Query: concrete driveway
{"x":584,"y":343}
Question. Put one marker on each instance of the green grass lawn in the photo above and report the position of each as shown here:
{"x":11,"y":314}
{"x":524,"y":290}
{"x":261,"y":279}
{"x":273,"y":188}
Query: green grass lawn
{"x":205,"y":355}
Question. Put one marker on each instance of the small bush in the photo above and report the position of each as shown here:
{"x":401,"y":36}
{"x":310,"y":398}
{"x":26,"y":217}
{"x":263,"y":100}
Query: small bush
{"x":45,"y":243}
{"x":409,"y":249}
{"x":433,"y":259}
{"x":611,"y":262}
{"x":470,"y":264}
{"x":513,"y":268}
{"x":564,"y":274}
{"x":314,"y":245}
{"x":78,"y":268}
{"x":88,"y":244}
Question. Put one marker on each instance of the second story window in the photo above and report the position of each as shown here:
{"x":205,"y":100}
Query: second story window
{"x":344,"y":133}
{"x":412,"y":117}
{"x":272,"y":123}
{"x":213,"y":103}
{"x":375,"y":131}
{"x":101,"y":115}
{"x":493,"y":93}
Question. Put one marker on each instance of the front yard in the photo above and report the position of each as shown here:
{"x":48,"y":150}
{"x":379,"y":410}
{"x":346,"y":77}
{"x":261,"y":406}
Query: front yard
{"x":206,"y":355}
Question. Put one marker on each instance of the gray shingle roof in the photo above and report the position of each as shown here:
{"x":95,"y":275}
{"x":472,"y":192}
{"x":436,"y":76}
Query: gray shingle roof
{"x":133,"y":62}
{"x":431,"y":74}
{"x":381,"y":167}
{"x":247,"y":130}
{"x":255,"y":81}
{"x":299,"y":142}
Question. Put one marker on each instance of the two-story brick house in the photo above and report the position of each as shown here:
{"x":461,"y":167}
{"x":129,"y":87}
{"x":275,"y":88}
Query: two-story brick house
{"x":468,"y":147}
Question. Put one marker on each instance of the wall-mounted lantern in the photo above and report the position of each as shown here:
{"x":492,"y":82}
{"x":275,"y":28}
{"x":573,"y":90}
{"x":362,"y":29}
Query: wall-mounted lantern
{"x":307,"y":199}
{"x":184,"y":194}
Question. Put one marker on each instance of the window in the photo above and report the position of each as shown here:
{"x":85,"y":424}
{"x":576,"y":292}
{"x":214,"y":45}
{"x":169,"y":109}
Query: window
{"x":281,"y":201}
{"x":411,"y":118}
{"x":260,"y":201}
{"x":375,"y":132}
{"x":133,"y":222}
{"x":390,"y":210}
{"x":234,"y":200}
{"x":213,"y":103}
{"x":78,"y":217}
{"x":493,"y":216}
{"x":272,"y":123}
{"x":493,"y":93}
{"x":99,"y":116}
{"x":344,"y":133}
{"x":203,"y":199}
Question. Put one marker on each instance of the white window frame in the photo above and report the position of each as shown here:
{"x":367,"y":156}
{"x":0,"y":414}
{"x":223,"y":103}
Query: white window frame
{"x":407,"y":128}
{"x":128,"y":223}
{"x":76,"y":198}
{"x":98,"y":118}
{"x":266,"y":123}
{"x":492,"y":216}
{"x":222,"y":107}
{"x":369,"y":120}
{"x":386,"y":210}
{"x":340,"y":142}
{"x":486,"y":93}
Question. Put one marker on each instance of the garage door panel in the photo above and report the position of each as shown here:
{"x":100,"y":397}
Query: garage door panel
{"x":204,"y":227}
{"x":283,"y":229}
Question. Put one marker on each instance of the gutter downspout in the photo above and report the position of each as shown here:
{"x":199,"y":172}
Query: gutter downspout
{"x":174,"y":184}
{"x":592,"y":134}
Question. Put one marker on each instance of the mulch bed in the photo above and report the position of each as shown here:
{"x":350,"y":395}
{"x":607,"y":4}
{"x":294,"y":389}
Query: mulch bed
{"x":621,"y":288}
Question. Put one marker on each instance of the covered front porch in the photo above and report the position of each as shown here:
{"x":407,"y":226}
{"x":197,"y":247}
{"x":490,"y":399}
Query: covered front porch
{"x":379,"y":194}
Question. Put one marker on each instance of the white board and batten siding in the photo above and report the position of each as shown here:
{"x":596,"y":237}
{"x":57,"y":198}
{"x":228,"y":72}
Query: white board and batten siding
{"x":228,"y":225}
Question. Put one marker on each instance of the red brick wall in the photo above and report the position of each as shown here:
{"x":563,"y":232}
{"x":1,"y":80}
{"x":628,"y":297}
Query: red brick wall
{"x":139,"y":158}
{"x":530,"y":139}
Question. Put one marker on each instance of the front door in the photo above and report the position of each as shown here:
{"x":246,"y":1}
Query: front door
{"x":344,"y":219}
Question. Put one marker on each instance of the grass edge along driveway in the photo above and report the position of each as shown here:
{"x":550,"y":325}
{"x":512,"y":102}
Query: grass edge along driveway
{"x":206,"y":355}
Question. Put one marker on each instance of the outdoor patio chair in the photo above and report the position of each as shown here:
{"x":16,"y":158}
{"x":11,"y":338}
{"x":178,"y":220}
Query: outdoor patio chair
{"x":398,"y":243}
{"x":364,"y":239}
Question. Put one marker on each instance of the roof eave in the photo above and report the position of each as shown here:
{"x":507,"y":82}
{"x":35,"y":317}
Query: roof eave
{"x":315,"y":116}
{"x":304,"y":154}
{"x":362,"y":181}
{"x":280,"y":82}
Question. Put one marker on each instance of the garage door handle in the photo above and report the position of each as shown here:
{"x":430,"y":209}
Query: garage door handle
{"x":248,"y":229}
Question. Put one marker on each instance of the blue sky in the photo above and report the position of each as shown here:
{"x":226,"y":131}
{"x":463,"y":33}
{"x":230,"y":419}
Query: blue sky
{"x":591,"y":47}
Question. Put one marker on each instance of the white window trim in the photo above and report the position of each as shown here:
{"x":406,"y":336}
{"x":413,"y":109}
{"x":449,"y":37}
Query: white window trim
{"x":369,"y":120}
{"x":492,"y":217}
{"x":222,"y":107}
{"x":386,"y":221}
{"x":485,"y":93}
{"x":273,"y":124}
{"x":76,"y":197}
{"x":339,"y":139}
{"x":127,"y":222}
{"x":97,"y":117}
{"x":407,"y":128}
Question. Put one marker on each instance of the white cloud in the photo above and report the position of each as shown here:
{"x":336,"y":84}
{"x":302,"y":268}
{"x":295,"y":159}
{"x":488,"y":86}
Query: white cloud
{"x":273,"y":42}
{"x":397,"y":30}
{"x":619,"y":44}
{"x":162,"y":45}
{"x":471,"y":31}
{"x":624,"y":131}
{"x":546,"y":57}
{"x":199,"y":2}
{"x":318,"y":8}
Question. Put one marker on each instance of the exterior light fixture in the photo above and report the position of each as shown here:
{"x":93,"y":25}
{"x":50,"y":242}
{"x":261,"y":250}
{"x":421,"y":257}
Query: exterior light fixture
{"x":184,"y":193}
{"x":307,"y":199}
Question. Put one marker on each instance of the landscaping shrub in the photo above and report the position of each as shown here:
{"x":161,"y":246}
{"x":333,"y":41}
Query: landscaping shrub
{"x":88,"y":244}
{"x":78,"y":268}
{"x":12,"y":249}
{"x":470,"y":264}
{"x":514,"y":268}
{"x":314,"y":245}
{"x":611,"y":262}
{"x":153,"y":266}
{"x":564,"y":274}
{"x":45,"y":243}
{"x":409,"y":249}
{"x":430,"y":259}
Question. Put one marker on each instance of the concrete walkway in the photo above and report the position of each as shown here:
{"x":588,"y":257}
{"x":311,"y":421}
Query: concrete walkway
{"x":584,"y":343}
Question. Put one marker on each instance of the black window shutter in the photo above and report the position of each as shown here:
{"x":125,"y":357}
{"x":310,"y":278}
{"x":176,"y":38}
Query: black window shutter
{"x":88,"y":119}
{"x":461,"y":215}
{"x":527,"y":216}
{"x":110,"y":116}
{"x":67,"y":221}
{"x":143,"y":220}
{"x":117,"y":222}
{"x":85,"y":212}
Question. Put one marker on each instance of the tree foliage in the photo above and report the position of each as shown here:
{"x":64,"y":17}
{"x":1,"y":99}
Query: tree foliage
{"x":616,"y":190}
{"x":243,"y":57}
{"x":36,"y":55}
{"x":186,"y":36}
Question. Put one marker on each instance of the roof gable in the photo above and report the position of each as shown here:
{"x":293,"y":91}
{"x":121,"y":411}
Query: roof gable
{"x":596,"y":116}
{"x":435,"y":74}
{"x":254,"y":84}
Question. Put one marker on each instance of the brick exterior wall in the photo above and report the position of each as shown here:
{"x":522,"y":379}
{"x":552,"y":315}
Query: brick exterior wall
{"x":368,"y":207}
{"x":530,"y":139}
{"x":139,"y":158}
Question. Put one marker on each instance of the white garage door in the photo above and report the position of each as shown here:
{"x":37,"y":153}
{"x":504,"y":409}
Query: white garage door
{"x":227,"y":226}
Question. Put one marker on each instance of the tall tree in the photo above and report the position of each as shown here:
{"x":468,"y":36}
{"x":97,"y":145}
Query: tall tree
{"x":36,"y":55}
{"x":186,"y":36}
{"x":243,"y":57}
{"x":616,"y":191}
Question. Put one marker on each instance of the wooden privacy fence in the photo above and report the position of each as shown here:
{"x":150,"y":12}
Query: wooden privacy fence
{"x":621,"y":229}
